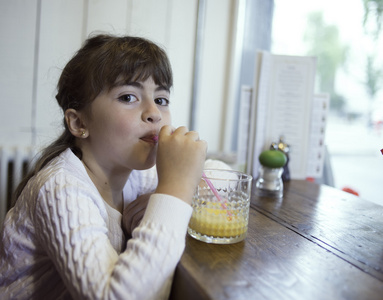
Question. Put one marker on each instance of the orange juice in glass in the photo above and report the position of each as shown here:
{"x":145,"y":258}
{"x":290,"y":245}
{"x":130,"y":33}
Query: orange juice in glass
{"x":221,"y":207}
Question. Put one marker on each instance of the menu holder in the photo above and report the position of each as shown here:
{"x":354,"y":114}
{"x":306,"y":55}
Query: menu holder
{"x":282,"y":103}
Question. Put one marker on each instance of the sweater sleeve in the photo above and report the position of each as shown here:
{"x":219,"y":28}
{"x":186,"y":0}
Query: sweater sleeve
{"x":74,"y":234}
{"x":140,"y":182}
{"x":145,"y":181}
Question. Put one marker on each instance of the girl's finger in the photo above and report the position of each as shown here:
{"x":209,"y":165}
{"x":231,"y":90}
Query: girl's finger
{"x":181,"y":130}
{"x":193,"y":134}
{"x":166,"y":130}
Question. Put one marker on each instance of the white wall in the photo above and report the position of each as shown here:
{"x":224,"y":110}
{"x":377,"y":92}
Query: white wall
{"x":39,"y":36}
{"x":16,"y":69}
{"x":214,"y":71}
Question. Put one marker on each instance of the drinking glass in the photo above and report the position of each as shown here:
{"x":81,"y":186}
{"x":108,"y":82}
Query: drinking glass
{"x":221,"y":207}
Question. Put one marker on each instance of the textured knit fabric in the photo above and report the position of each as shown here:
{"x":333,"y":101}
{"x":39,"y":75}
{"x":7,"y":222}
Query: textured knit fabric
{"x":62,"y":241}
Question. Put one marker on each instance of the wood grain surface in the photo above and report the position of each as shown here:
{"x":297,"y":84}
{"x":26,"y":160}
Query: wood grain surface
{"x":316,"y":243}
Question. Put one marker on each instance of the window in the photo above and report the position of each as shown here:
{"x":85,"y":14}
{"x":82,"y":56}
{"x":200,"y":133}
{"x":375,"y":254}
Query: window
{"x":346,"y":50}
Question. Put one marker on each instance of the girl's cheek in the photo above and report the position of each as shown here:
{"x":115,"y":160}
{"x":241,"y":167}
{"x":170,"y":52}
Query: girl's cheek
{"x":167,"y":119}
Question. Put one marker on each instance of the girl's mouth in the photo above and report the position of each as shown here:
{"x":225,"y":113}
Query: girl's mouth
{"x":153,"y":139}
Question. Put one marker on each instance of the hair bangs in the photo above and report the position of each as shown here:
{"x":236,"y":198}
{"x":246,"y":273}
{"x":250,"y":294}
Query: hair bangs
{"x":142,"y":68}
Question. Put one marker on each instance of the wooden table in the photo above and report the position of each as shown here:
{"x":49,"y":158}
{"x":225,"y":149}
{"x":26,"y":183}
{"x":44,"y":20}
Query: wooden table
{"x":316,"y":243}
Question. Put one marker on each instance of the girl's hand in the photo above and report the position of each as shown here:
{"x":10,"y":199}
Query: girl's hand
{"x":180,"y":160}
{"x":133,"y":213}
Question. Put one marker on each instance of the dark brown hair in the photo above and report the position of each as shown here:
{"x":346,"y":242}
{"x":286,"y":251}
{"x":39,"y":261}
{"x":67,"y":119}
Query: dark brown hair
{"x":103,"y":62}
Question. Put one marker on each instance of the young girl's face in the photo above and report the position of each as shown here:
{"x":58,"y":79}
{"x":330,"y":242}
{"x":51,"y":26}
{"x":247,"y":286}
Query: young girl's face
{"x":123,"y":122}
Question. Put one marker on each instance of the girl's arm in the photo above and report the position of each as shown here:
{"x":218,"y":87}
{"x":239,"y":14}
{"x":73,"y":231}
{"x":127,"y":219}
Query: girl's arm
{"x":74,"y":233}
{"x":134,"y":210}
{"x":133,"y":214}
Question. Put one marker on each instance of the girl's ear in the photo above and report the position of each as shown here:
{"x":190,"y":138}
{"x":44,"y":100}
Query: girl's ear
{"x":75,"y":123}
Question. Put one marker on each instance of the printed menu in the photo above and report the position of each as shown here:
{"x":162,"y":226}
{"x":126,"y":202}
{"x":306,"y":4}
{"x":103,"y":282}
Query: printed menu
{"x":282,"y":104}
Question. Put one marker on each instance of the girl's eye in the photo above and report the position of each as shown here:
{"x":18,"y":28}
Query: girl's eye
{"x":162,"y":101}
{"x":129,"y":98}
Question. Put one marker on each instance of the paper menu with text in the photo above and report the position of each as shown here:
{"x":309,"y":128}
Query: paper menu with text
{"x":320,"y":108}
{"x":282,"y":107}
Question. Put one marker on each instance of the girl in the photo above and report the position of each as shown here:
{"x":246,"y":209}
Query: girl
{"x":63,"y":238}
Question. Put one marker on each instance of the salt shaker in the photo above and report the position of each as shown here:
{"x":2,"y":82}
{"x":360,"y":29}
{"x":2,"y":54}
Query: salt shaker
{"x":269,"y":182}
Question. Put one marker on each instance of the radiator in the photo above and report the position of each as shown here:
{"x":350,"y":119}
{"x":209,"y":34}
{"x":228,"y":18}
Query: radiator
{"x":14,"y":164}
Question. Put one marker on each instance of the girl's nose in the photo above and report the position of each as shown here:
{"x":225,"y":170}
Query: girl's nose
{"x":151,"y":114}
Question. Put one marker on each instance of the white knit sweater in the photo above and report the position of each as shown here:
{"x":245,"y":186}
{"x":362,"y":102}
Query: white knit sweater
{"x":62,"y":241}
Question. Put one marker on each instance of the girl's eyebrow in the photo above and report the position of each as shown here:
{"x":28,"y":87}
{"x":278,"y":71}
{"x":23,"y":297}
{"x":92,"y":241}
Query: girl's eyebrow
{"x":162,"y":88}
{"x":140,"y":86}
{"x":135,"y":84}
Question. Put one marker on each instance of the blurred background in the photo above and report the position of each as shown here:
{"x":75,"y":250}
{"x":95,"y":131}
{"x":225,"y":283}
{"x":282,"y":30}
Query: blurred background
{"x":348,"y":41}
{"x":211,"y":45}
